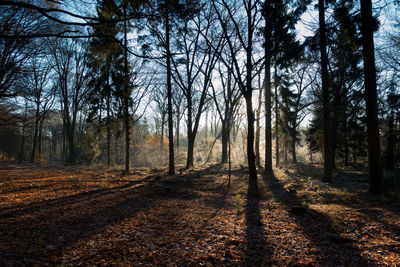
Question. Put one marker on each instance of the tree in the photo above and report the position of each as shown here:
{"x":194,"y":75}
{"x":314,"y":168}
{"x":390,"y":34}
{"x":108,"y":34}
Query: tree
{"x":41,"y":94}
{"x":325,"y":93}
{"x":163,"y":13}
{"x":267,"y":83}
{"x":196,"y":64}
{"x":178,"y":101}
{"x":374,"y":157}
{"x":294,"y":104}
{"x":393,"y":100}
{"x":281,"y":50}
{"x":231,"y":25}
{"x":230,"y":96}
{"x":166,"y":14}
{"x":103,"y":51}
{"x":69,"y":65}
{"x":160,"y":100}
{"x":15,"y":53}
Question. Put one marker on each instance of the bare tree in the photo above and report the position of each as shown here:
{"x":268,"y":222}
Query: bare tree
{"x":70,"y":68}
{"x":39,"y":92}
{"x":294,"y":105}
{"x":178,"y":101}
{"x":193,"y":76}
{"x":243,"y":25}
{"x":229,"y":94}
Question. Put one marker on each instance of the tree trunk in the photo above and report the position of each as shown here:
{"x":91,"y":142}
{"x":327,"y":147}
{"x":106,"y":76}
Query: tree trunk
{"x":108,"y":123}
{"x":190,"y":134}
{"x":63,"y":152}
{"x":71,"y":146}
{"x":267,"y":95}
{"x":21,"y":152}
{"x":285,"y":154}
{"x":325,"y":93}
{"x":374,"y":154}
{"x":126,"y":98}
{"x":41,"y":120}
{"x":189,"y":160}
{"x":294,"y":159}
{"x":390,"y":142}
{"x":171,"y":170}
{"x":346,"y":143}
{"x":127,"y":136}
{"x":224,"y":140}
{"x":162,"y":131}
{"x":258,"y":130}
{"x":253,"y":187}
{"x":206,"y":130}
{"x":178,"y":122}
{"x":35,"y":135}
{"x":335,"y":125}
{"x":276,"y":119}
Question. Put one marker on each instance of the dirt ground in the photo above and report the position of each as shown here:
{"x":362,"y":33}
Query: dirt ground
{"x":81,"y":216}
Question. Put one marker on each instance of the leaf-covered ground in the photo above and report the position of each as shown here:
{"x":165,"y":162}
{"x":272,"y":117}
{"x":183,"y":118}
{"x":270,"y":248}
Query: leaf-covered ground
{"x":79,"y":216}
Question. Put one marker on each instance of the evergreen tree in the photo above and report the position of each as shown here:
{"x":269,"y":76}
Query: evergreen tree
{"x":325,"y":93}
{"x":286,"y":50}
{"x":374,"y":153}
{"x":103,"y":52}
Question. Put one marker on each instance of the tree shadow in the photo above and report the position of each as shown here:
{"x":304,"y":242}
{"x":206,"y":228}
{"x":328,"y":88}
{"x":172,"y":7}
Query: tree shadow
{"x":317,"y":227}
{"x":31,"y":208}
{"x":354,"y":184}
{"x":33,"y":233}
{"x":258,"y":251}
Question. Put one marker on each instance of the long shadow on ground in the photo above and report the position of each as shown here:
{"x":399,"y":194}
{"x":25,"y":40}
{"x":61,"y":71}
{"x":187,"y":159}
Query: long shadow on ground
{"x":373,"y":209}
{"x":333,"y":251}
{"x":40,"y":232}
{"x":258,"y":252}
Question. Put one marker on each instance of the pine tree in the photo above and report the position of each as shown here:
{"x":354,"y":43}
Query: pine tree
{"x":374,"y":153}
{"x":103,"y":52}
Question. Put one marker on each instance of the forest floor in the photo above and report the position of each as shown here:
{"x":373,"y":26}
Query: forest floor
{"x":80,"y":216}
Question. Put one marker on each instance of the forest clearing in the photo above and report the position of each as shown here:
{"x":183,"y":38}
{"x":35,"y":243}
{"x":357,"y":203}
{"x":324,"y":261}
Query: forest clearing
{"x":199,"y":133}
{"x":73,"y":216}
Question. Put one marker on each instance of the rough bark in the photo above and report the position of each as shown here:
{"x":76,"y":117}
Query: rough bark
{"x":293,"y":148}
{"x":325,"y":94}
{"x":224,"y":140}
{"x":253,"y":186}
{"x":21,"y":152}
{"x":171,"y":170}
{"x":108,"y":122}
{"x":190,"y":133}
{"x":257,"y":144}
{"x":374,"y":154}
{"x":35,"y":135}
{"x":40,"y":136}
{"x":126,"y":98}
{"x":267,"y":95}
{"x":276,"y":119}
